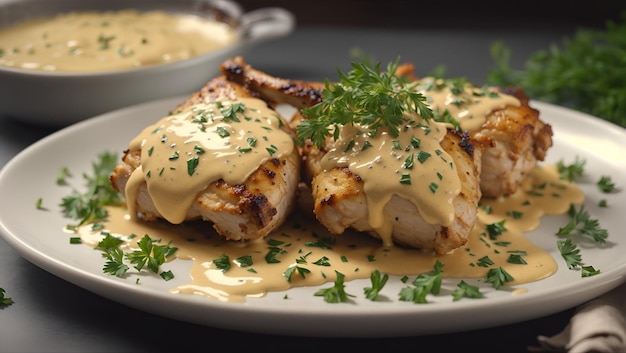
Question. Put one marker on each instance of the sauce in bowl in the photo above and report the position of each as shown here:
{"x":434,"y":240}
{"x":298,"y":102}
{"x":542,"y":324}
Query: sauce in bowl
{"x":94,"y":41}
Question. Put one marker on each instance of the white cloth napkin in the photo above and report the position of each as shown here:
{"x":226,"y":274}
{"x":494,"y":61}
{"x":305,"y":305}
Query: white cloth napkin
{"x":598,"y":326}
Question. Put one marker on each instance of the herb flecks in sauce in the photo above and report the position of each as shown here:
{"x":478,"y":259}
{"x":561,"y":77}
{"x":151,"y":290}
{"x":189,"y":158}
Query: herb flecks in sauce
{"x":4,"y":300}
{"x":301,"y":241}
{"x":110,"y":40}
{"x":183,"y":153}
{"x":461,"y":104}
{"x":388,"y":130}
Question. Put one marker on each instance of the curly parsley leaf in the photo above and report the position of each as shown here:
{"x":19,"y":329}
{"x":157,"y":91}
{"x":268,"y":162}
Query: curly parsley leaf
{"x":114,"y":256}
{"x":498,"y":277}
{"x":605,"y":184}
{"x":4,"y":300}
{"x":378,"y":282}
{"x":588,"y":271}
{"x":303,"y":271}
{"x":336,"y":293}
{"x":114,"y":264}
{"x":571,"y":171}
{"x":581,"y":221}
{"x":466,"y":290}
{"x":495,"y":229}
{"x":89,"y":206}
{"x":570,"y":252}
{"x":424,"y":284}
{"x":150,"y":254}
{"x":366,"y":96}
{"x":222,"y":262}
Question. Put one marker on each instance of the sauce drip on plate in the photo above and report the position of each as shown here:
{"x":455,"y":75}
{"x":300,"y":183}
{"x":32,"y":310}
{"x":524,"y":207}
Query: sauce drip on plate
{"x":303,"y":243}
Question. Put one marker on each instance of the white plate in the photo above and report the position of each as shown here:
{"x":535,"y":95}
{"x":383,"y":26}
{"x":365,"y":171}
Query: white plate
{"x":38,"y":237}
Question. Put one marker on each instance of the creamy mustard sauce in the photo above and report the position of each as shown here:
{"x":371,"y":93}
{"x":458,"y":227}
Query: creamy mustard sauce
{"x":412,"y":165}
{"x":183,"y":153}
{"x":469,"y":105}
{"x":113,"y":40}
{"x":304,"y":253}
{"x":306,"y":244}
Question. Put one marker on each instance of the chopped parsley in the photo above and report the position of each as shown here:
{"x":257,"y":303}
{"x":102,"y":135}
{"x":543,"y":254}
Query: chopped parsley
{"x":570,"y":252}
{"x":336,"y":293}
{"x":467,"y":290}
{"x":424,"y":284}
{"x":581,"y":222}
{"x":302,"y":271}
{"x":4,"y":300}
{"x":571,"y":171}
{"x":605,"y":184}
{"x":378,"y":282}
{"x":90,"y":205}
{"x":495,"y":229}
{"x":222,"y":262}
{"x":365,"y":96}
{"x":150,"y":255}
{"x":498,"y":277}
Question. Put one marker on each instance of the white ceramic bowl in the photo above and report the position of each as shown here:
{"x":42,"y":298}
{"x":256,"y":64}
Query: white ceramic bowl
{"x":59,"y":99}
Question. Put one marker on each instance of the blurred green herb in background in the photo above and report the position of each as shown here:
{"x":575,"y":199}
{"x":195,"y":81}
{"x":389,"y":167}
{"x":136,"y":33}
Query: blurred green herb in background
{"x":587,"y":72}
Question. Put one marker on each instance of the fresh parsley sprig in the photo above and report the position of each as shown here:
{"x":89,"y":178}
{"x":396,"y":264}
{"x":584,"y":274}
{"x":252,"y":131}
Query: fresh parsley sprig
{"x":606,"y":184}
{"x":571,"y":171}
{"x":336,"y":293}
{"x":573,"y":259}
{"x":467,"y":290}
{"x":424,"y":284}
{"x":365,"y":96}
{"x":4,"y":300}
{"x":150,"y":254}
{"x":570,"y":252}
{"x":89,"y":205}
{"x":581,"y":221}
{"x":498,"y":277}
{"x":378,"y":282}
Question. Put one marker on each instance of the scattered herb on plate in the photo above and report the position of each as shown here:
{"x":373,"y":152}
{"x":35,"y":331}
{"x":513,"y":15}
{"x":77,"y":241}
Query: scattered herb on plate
{"x":4,"y":300}
{"x":89,"y":206}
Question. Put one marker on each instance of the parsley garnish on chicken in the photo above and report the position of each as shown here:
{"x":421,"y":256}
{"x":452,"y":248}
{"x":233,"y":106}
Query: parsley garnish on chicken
{"x":365,"y":96}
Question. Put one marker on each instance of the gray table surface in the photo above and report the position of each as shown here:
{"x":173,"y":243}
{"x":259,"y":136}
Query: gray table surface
{"x":52,"y":315}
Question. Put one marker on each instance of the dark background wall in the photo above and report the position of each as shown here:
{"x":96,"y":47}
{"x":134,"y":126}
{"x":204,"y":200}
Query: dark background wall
{"x":449,"y":14}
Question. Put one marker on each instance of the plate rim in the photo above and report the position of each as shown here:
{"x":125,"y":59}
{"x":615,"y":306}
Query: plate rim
{"x":132,"y":296}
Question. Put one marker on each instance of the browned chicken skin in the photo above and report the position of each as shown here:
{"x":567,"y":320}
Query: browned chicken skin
{"x":517,"y":140}
{"x":491,"y":162}
{"x":338,"y":198}
{"x":515,"y":137}
{"x":237,"y":212}
{"x":296,"y":93}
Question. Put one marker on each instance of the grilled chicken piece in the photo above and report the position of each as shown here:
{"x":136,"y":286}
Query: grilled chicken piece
{"x":517,"y":140}
{"x":299,"y":94}
{"x":339,"y":200}
{"x":337,"y":196}
{"x":515,"y":137}
{"x":245,"y":211}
